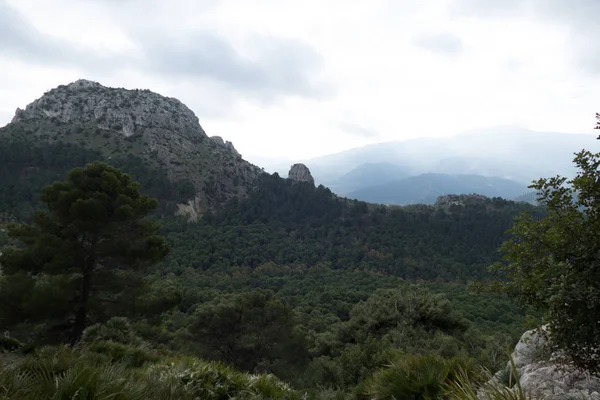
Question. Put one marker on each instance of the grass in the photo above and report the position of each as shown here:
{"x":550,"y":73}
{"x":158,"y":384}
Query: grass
{"x":464,"y":387}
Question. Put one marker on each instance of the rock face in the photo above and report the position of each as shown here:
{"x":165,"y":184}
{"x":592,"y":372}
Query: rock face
{"x":227,"y":144}
{"x":120,"y":110}
{"x":161,"y":131}
{"x":543,"y":378}
{"x":300,"y":173}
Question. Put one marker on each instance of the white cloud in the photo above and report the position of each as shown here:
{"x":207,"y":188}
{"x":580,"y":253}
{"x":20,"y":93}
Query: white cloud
{"x":284,"y":78}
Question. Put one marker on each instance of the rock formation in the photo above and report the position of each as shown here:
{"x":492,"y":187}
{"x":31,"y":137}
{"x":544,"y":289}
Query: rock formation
{"x":301,"y":173}
{"x":543,"y":377}
{"x":458,"y":199}
{"x":227,"y":144}
{"x":120,"y":110}
{"x":161,"y":131}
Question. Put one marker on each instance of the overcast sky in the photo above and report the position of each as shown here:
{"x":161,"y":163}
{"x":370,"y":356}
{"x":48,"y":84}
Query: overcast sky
{"x":300,"y":78}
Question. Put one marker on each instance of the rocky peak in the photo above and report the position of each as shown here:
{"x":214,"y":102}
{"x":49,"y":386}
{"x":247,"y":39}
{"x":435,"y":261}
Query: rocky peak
{"x":226,"y":144}
{"x":112,"y":109}
{"x":160,"y":132}
{"x":300,"y":173}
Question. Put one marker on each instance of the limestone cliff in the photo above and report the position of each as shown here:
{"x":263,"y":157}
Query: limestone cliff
{"x":225,"y":143}
{"x":301,"y":173}
{"x":118,"y":110}
{"x":160,"y":130}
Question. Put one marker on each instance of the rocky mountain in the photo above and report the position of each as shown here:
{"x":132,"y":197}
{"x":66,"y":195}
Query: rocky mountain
{"x":301,"y":173}
{"x":425,"y":189}
{"x":158,"y":135}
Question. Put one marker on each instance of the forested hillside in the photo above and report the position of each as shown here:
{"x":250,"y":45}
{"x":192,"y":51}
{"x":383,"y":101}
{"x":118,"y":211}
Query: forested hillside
{"x":425,"y":188}
{"x":280,"y":278}
{"x":288,"y":222}
{"x":320,"y":270}
{"x":28,"y":164}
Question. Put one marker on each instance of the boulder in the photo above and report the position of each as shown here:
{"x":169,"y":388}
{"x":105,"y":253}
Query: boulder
{"x":543,"y":376}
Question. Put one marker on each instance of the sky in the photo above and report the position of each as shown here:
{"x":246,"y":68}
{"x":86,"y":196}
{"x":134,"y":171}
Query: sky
{"x":292,"y":79}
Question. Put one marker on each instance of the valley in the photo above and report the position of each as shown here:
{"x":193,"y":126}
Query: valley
{"x":320,"y":286}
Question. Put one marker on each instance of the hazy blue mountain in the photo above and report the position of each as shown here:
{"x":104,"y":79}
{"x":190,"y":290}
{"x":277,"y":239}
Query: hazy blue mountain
{"x":425,"y":188}
{"x":368,"y":174}
{"x":511,"y":153}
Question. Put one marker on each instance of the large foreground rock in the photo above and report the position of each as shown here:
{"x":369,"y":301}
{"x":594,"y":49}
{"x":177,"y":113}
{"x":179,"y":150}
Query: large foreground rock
{"x":542,"y":377}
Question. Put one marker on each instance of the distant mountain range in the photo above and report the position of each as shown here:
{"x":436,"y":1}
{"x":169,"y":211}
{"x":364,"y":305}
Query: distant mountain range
{"x":366,"y":175}
{"x":425,"y":188}
{"x":512,"y":154}
{"x":518,"y":154}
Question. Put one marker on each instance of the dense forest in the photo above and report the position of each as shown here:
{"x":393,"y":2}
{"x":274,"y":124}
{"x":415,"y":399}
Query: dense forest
{"x":292,"y":281}
{"x":27,"y":166}
{"x":290,"y":223}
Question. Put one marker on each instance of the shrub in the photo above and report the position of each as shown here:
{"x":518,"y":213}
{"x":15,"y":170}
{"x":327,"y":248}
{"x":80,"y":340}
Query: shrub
{"x":9,"y":344}
{"x":213,"y":381}
{"x":80,"y":381}
{"x":413,"y":377}
{"x":464,"y":387}
{"x":73,"y":373}
{"x":116,"y":329}
{"x":130,"y":356}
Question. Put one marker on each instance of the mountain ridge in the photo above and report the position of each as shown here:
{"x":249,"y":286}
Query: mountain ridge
{"x":512,"y":153}
{"x":427,"y":188}
{"x":368,"y":174}
{"x":163,"y":133}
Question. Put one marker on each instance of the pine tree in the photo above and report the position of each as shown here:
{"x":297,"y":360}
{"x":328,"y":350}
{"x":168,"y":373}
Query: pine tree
{"x":83,"y":254}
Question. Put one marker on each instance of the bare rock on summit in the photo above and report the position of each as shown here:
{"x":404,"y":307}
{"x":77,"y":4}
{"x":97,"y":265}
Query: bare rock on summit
{"x":160,"y":133}
{"x":115,"y":109}
{"x":300,"y":173}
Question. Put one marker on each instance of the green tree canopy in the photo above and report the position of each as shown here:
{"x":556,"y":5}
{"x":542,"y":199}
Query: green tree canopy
{"x":81,"y":257}
{"x":254,"y":331}
{"x":554,"y":263}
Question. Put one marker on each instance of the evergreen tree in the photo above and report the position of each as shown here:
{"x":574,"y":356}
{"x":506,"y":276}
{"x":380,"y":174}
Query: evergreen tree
{"x":83,"y":255}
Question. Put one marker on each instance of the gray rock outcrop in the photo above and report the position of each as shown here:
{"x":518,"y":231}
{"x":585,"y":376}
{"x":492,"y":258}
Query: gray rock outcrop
{"x":226,"y":144}
{"x":160,"y":131}
{"x":300,"y":173}
{"x":112,"y":109}
{"x":458,"y":199}
{"x":541,"y":376}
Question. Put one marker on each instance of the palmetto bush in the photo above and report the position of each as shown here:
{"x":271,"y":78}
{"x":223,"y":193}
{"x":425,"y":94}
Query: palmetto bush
{"x":482,"y":386}
{"x":414,"y":377}
{"x":49,"y":378}
{"x":112,"y":371}
{"x":431,"y":377}
{"x":61,"y":373}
